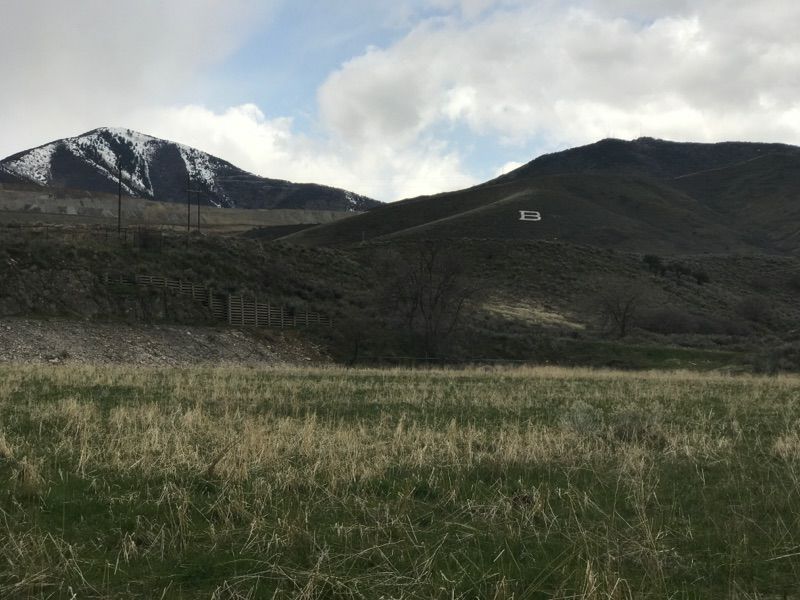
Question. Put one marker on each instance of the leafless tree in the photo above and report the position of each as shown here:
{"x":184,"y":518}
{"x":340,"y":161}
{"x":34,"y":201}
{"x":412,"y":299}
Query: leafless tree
{"x":618,"y":303}
{"x":429,"y":293}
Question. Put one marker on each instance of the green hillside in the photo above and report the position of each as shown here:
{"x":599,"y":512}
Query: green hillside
{"x":536,"y":300}
{"x":708,"y":256}
{"x":659,"y":159}
{"x":642,"y":196}
{"x":760,"y":196}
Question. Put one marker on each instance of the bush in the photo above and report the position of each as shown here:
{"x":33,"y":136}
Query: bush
{"x":673,"y":321}
{"x":679,"y":270}
{"x":793,"y":283}
{"x":784,"y":358}
{"x":148,"y":239}
{"x":654,"y":264}
{"x":760,"y":283}
{"x":667,"y":321}
{"x":755,"y":309}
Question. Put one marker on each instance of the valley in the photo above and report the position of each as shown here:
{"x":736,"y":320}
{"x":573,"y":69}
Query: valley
{"x":417,"y":300}
{"x":556,"y":379}
{"x":703,"y":249}
{"x":25,"y":204}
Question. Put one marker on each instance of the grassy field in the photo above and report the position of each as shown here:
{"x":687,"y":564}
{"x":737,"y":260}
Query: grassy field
{"x":530,"y":483}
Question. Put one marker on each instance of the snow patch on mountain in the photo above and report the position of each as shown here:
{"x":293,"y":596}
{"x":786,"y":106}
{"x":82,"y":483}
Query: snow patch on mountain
{"x":200,"y":169}
{"x":137,"y":174}
{"x":143,"y":145}
{"x":352,"y":201}
{"x":157,"y":169}
{"x":34,"y":164}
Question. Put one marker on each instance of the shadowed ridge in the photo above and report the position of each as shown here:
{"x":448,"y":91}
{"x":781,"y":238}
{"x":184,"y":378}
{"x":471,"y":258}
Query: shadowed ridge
{"x":642,"y":196}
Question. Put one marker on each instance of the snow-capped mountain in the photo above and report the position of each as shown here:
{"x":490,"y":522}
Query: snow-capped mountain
{"x":157,"y":169}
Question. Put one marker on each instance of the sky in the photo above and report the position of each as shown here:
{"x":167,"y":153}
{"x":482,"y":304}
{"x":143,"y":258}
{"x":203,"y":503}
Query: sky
{"x":398,"y":98}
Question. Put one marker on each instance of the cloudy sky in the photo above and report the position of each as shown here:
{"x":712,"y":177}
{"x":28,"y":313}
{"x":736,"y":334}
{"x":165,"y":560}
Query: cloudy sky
{"x":395,"y":98}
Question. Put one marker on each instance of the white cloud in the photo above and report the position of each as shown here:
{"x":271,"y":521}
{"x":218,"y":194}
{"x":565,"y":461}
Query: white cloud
{"x":72,"y":66}
{"x":244,"y":136}
{"x":573,"y":72}
{"x":76,"y":66}
{"x":395,"y":121}
{"x":507,"y":168}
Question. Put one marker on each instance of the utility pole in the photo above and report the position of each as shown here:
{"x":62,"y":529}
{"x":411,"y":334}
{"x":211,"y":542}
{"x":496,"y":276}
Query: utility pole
{"x":188,"y":201}
{"x":119,"y":195}
{"x":189,"y":191}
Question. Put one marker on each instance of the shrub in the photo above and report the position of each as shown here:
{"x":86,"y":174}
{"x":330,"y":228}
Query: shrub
{"x":679,"y":270}
{"x":672,"y":321}
{"x":785,"y":357}
{"x":755,"y":309}
{"x":667,"y":321}
{"x":793,"y":283}
{"x":760,"y":283}
{"x":654,"y":264}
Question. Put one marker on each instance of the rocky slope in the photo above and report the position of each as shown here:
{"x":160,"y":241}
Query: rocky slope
{"x":67,"y":341}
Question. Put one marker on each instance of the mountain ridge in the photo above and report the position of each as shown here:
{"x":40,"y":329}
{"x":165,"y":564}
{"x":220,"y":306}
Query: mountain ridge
{"x":643,"y":195}
{"x":652,"y":157}
{"x":157,"y":169}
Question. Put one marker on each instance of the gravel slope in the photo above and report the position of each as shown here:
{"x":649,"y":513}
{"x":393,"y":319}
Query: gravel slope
{"x":62,"y":340}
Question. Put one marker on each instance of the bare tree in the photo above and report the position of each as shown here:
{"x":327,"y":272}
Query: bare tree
{"x":429,"y":293}
{"x":618,"y":303}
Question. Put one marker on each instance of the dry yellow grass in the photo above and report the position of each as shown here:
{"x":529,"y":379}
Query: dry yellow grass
{"x":334,"y":483}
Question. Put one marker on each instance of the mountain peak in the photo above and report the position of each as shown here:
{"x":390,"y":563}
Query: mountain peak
{"x":157,"y":169}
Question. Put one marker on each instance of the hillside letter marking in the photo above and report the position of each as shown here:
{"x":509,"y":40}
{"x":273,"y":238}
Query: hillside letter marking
{"x":530,"y":215}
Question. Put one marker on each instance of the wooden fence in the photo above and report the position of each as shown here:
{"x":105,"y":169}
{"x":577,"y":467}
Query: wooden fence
{"x":236,"y":310}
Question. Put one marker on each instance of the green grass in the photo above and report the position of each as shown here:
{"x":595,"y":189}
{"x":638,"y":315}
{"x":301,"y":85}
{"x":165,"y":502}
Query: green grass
{"x":638,"y":356}
{"x":534,"y":483}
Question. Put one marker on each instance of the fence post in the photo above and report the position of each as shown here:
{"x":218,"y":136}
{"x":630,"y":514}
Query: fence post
{"x":230,"y":315}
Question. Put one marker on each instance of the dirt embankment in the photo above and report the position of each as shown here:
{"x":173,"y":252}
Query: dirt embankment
{"x":26,"y":204}
{"x":63,"y":340}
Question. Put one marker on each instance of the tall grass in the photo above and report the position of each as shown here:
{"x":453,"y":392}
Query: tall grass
{"x":289,"y":483}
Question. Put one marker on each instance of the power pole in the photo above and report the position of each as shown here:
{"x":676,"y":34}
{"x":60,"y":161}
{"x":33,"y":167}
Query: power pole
{"x":198,"y":210}
{"x":188,"y":201}
{"x":189,"y":191}
{"x":119,"y":195}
